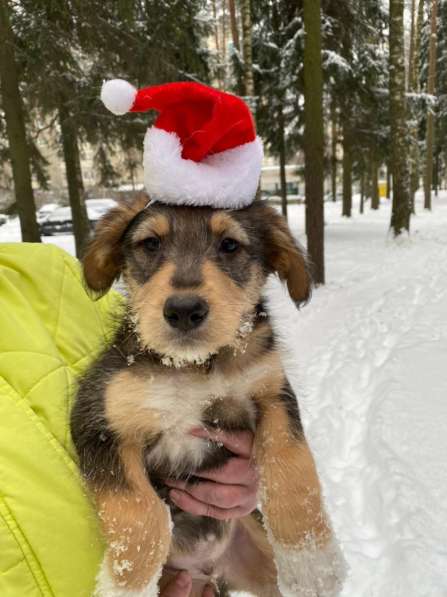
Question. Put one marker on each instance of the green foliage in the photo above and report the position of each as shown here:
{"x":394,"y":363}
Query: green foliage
{"x":66,"y":49}
{"x":278,"y":72}
{"x":355,"y":61}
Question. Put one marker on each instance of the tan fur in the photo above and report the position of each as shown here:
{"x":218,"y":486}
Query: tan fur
{"x":157,"y":224}
{"x":228,"y":303}
{"x":257,"y":573}
{"x":136,"y":525}
{"x":103,"y":258}
{"x":287,"y":260}
{"x":126,"y":407}
{"x":292,"y":501}
{"x":222,"y":224}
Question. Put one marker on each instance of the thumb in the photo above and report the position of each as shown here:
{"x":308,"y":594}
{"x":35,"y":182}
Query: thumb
{"x":179,"y":586}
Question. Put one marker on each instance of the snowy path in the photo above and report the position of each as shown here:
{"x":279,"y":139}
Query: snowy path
{"x":372,"y":350}
{"x":368,"y":358}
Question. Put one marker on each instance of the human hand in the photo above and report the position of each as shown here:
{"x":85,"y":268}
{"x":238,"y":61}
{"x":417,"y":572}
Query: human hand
{"x":226,"y":492}
{"x":181,"y":586}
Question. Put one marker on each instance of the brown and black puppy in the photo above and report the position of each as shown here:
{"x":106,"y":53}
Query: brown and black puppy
{"x":195,"y":348}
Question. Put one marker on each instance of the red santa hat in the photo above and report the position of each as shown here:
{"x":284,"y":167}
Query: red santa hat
{"x":202,"y":149}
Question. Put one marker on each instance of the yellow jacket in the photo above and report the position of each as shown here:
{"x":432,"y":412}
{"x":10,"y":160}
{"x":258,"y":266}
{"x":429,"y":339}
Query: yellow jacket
{"x":50,"y":329}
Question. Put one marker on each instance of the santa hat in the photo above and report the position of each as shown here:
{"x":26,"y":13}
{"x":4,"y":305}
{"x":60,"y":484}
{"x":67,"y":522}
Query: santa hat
{"x":202,"y":149}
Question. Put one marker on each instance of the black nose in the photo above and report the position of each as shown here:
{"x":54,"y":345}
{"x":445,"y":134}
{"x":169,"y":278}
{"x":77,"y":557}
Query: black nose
{"x":185,"y":312}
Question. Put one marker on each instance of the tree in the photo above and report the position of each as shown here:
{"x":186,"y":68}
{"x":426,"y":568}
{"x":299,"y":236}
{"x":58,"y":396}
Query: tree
{"x":67,"y":53}
{"x":334,"y":141}
{"x":428,"y":178}
{"x":355,"y":68}
{"x":247,"y":45}
{"x":19,"y":150}
{"x":233,"y":23}
{"x":277,"y":59}
{"x":417,"y":17}
{"x":314,"y":137}
{"x":401,"y":209}
{"x":441,"y":121}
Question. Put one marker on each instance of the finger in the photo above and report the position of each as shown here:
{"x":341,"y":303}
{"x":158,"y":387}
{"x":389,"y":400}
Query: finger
{"x":208,"y":591}
{"x":236,"y":471}
{"x":238,"y":442}
{"x":180,"y":586}
{"x":189,"y":504}
{"x":216,"y":494}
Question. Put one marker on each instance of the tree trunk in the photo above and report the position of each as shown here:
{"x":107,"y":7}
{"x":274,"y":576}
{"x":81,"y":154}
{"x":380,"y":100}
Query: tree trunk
{"x":362,"y":191}
{"x":414,"y":87}
{"x":430,"y":115}
{"x":347,"y":169}
{"x":400,"y":216}
{"x":375,"y":199}
{"x":388,"y":181}
{"x":224,"y":44}
{"x":333,"y":149}
{"x":248,"y":58}
{"x":436,"y":174}
{"x":15,"y":129}
{"x":234,"y":27}
{"x":217,"y":43}
{"x":216,"y":28}
{"x":81,"y":224}
{"x":412,"y":45}
{"x":282,"y":163}
{"x":314,"y":137}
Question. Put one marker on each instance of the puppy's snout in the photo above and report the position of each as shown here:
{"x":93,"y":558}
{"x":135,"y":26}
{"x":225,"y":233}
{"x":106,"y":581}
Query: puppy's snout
{"x":185,"y":312}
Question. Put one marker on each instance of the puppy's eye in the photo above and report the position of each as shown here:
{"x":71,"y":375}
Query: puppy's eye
{"x":229,"y":245}
{"x":152,"y":244}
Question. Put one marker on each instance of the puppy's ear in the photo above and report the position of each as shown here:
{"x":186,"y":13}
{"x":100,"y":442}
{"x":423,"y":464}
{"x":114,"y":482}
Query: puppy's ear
{"x":287,"y":258}
{"x":103,"y":258}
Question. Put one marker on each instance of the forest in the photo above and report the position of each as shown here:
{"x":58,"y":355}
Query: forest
{"x":356,"y":89}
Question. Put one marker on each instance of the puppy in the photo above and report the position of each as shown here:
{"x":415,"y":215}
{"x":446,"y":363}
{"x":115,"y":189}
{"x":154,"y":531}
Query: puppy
{"x":195,"y":347}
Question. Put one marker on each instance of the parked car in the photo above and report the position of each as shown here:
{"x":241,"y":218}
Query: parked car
{"x":45,"y":211}
{"x":60,"y":221}
{"x":96,"y":208}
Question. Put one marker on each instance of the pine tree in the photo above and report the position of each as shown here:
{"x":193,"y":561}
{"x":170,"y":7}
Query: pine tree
{"x":234,"y":25}
{"x":401,"y":210}
{"x":430,"y":116}
{"x":417,"y":18}
{"x":278,"y":65}
{"x":247,"y":40}
{"x":355,"y":71}
{"x":441,"y":121}
{"x":314,"y":137}
{"x":19,"y":150}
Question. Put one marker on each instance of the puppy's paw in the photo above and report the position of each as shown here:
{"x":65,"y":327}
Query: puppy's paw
{"x":311,"y":571}
{"x":108,"y":586}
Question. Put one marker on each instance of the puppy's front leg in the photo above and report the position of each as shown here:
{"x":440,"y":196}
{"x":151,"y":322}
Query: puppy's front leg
{"x":136,"y":524}
{"x":307,"y":557}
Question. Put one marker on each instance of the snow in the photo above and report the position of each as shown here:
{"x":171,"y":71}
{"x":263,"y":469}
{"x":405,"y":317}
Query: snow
{"x":372,"y":355}
{"x":368,"y":360}
{"x":10,"y":232}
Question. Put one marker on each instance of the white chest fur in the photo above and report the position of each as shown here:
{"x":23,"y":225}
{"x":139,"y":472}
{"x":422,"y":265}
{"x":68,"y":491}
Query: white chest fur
{"x":180,"y":399}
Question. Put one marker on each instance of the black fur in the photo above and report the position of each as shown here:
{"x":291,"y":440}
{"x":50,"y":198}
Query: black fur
{"x":288,"y":397}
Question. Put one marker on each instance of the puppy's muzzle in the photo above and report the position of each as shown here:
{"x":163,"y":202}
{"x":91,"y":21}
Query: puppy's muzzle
{"x":185,"y":312}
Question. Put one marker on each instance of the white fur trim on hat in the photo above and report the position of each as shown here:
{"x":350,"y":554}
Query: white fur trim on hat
{"x":228,"y":179}
{"x":118,"y":96}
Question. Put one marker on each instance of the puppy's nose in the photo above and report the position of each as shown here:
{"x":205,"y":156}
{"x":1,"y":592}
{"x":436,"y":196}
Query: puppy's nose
{"x":185,"y":312}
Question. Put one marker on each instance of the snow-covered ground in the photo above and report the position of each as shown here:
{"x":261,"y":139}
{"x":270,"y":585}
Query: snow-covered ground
{"x":368,"y":359}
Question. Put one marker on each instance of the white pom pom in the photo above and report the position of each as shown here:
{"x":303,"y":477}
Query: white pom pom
{"x":118,"y":96}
